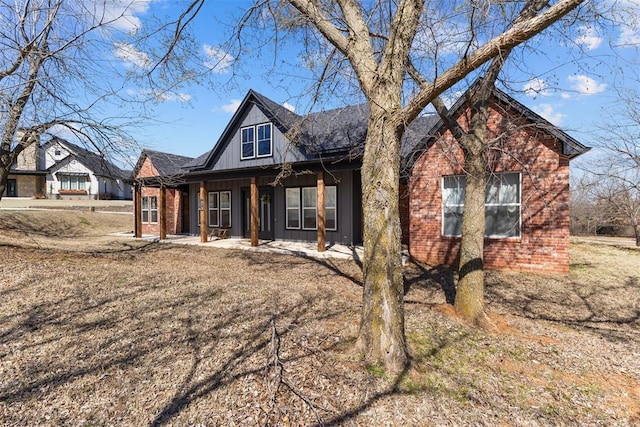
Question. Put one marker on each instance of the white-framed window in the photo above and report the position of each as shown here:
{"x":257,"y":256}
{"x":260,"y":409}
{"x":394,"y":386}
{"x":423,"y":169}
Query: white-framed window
{"x":292,"y":196}
{"x":220,"y":208}
{"x":264,"y":141}
{"x":503,"y":205}
{"x":302,"y":208}
{"x":331,"y":208}
{"x":248,"y":143}
{"x":214,"y":209}
{"x":150,"y":209}
{"x":256,"y":141}
{"x":72,"y":182}
{"x":309,"y":208}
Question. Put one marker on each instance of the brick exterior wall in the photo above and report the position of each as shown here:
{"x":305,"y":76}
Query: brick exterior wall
{"x":544,"y":242}
{"x":174,"y":217}
{"x":173,"y":202}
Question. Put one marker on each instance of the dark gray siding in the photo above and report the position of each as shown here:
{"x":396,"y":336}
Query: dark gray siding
{"x":229,"y":157}
{"x":349,"y":210}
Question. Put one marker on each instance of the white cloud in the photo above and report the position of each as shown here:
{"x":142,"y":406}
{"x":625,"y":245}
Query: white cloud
{"x":131,"y":56}
{"x":565,"y":95}
{"x":289,"y":107}
{"x":536,"y":87}
{"x":629,"y":36}
{"x":119,"y":14}
{"x":217,"y":60}
{"x":179,"y":97}
{"x":547,"y":111}
{"x":589,"y":37}
{"x":232,"y":106}
{"x":586,"y":85}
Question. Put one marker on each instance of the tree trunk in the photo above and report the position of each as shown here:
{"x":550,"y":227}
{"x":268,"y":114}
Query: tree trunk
{"x":381,"y":337}
{"x":469,"y":301}
{"x":4,"y":177}
{"x":636,"y":230}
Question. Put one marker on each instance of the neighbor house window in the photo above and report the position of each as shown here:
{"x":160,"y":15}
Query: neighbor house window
{"x":150,"y":209}
{"x":502,"y":205}
{"x":256,"y":141}
{"x":220,"y":208}
{"x":302,"y":208}
{"x":72,"y":182}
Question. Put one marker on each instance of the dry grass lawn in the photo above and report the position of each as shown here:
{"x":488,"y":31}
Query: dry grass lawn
{"x":101,"y":330}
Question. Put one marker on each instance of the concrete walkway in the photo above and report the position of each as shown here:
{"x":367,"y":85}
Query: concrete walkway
{"x":304,"y":249}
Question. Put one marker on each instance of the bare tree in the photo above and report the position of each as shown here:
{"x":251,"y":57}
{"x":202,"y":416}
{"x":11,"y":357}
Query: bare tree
{"x":53,"y":75}
{"x":474,"y":138}
{"x":617,"y":170}
{"x":585,"y":215}
{"x":392,"y":49}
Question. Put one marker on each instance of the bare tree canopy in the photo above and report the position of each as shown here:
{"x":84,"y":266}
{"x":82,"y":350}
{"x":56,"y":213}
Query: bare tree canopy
{"x":614,"y":176}
{"x":55,"y":76}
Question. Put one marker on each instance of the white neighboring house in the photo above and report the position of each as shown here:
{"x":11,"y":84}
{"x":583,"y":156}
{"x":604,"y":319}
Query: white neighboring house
{"x":75,"y":172}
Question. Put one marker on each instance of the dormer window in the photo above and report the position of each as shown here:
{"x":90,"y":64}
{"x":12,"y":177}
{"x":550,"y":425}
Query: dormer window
{"x":256,"y":141}
{"x":58,"y":153}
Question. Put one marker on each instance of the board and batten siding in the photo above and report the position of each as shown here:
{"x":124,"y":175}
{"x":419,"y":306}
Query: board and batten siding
{"x":348,"y":215}
{"x":282,"y":151}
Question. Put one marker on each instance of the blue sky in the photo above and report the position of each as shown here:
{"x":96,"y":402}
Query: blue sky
{"x":570,"y":82}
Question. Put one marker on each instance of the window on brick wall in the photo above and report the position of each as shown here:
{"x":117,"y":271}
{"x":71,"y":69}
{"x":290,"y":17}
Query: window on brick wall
{"x":150,"y":209}
{"x":503,"y":205}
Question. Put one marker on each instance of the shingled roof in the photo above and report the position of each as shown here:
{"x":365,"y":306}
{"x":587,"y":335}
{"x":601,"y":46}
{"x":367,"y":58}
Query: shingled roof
{"x":97,"y":163}
{"x":339,"y":132}
{"x":166,"y":164}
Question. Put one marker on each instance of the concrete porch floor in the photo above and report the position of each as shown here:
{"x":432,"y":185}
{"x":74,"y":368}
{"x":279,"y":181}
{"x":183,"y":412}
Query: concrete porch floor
{"x":305,"y":249}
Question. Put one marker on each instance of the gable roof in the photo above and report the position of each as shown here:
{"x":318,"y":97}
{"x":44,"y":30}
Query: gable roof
{"x":337,"y":133}
{"x":570,"y":146}
{"x":95,"y":162}
{"x":166,"y":164}
{"x":283,"y":118}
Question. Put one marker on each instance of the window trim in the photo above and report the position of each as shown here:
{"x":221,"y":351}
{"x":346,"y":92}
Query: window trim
{"x":242,"y":143}
{"x":255,"y":154}
{"x":301,"y":208}
{"x":518,"y":234}
{"x":297,"y":208}
{"x":149,"y":210}
{"x":257,"y":140}
{"x":314,"y":208}
{"x":218,"y":209}
{"x":71,"y":181}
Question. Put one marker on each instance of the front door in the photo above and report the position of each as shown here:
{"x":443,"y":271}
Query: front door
{"x":12,"y":188}
{"x":265,"y":209}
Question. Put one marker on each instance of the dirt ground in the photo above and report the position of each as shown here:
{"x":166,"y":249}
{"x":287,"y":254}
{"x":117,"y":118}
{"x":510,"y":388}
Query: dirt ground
{"x":103,"y":330}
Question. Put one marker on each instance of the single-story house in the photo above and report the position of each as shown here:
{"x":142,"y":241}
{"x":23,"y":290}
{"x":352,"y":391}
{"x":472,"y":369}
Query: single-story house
{"x":75,"y":172}
{"x":277,"y":175}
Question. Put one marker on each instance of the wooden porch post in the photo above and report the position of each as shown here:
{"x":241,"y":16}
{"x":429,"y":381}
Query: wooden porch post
{"x":322,"y":243}
{"x":137,"y":211}
{"x":163,"y":212}
{"x":255,"y":218}
{"x":204,"y":227}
